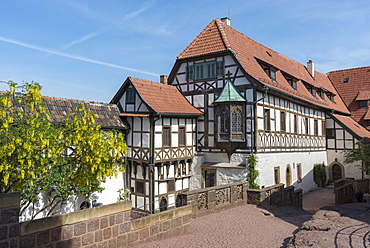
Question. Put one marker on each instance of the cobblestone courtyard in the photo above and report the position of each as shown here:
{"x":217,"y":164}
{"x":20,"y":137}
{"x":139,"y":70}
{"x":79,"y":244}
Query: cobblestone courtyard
{"x":249,"y":226}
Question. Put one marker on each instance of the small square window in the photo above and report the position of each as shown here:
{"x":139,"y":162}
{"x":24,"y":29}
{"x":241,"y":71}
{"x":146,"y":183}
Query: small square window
{"x":330,"y":133}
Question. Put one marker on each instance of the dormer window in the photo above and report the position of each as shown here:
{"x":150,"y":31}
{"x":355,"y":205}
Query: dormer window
{"x":330,"y":96}
{"x":321,"y":93}
{"x":362,"y":104}
{"x":270,"y":72}
{"x":291,"y":81}
{"x":205,"y":70}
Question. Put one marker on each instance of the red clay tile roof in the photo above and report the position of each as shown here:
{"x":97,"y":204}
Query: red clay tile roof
{"x":219,"y":37}
{"x":358,"y":81}
{"x":367,"y":115}
{"x":363,"y":96}
{"x":353,"y":125}
{"x":163,"y":98}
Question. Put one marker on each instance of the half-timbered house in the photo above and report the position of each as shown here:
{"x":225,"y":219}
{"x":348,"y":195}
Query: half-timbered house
{"x":161,"y":141}
{"x":278,"y":111}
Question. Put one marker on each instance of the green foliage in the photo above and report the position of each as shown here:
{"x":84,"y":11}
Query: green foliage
{"x":319,"y":175}
{"x":69,"y":158}
{"x":252,"y":172}
{"x":360,"y":155}
{"x":123,"y":195}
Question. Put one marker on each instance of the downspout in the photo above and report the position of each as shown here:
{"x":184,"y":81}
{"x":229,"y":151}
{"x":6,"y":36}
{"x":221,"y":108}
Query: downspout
{"x":265,"y":90}
{"x":152,"y":164}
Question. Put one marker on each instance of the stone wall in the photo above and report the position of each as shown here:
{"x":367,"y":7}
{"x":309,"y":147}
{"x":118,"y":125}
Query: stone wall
{"x":208,"y":200}
{"x":275,"y":195}
{"x":9,"y":220}
{"x":105,"y":226}
{"x":346,"y":189}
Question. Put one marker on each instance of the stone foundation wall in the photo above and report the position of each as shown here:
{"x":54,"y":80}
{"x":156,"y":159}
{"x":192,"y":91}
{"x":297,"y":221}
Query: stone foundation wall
{"x":9,"y":220}
{"x":275,"y":195}
{"x":105,"y":226}
{"x":208,"y":200}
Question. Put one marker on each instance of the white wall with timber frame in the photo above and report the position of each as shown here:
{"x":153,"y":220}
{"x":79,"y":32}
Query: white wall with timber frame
{"x":339,"y":138}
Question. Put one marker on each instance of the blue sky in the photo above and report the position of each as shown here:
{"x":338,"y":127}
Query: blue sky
{"x":85,"y":49}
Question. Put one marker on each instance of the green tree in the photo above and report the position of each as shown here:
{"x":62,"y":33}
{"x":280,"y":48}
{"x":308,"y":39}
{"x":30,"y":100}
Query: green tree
{"x":69,"y":158}
{"x":360,"y":155}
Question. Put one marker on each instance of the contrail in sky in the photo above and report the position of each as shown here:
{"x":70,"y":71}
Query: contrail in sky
{"x":105,"y":29}
{"x":72,"y":56}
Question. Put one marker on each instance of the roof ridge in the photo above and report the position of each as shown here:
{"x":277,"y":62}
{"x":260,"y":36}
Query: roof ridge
{"x":152,"y":82}
{"x":350,"y":69}
{"x":222,"y":33}
{"x":213,"y":22}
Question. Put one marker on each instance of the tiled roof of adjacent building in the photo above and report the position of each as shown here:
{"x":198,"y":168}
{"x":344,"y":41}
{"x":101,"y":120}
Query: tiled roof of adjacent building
{"x":219,"y":37}
{"x":106,"y":115}
{"x":353,"y":85}
{"x":161,"y":98}
{"x":353,"y":125}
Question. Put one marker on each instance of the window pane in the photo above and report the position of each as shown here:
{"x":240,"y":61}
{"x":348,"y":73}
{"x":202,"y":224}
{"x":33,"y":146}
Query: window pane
{"x":166,"y":136}
{"x":225,"y":120}
{"x":130,"y":96}
{"x":182,"y":136}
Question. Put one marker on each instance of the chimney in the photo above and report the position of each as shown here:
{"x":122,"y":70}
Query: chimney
{"x":163,"y":79}
{"x":311,"y":68}
{"x":226,"y":20}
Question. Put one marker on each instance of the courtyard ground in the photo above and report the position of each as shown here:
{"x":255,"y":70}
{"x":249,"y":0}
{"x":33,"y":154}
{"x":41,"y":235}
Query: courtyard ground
{"x":249,"y":226}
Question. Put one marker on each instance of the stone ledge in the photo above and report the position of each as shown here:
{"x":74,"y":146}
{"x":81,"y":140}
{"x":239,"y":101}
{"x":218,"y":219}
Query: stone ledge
{"x":160,"y":217}
{"x":51,"y":222}
{"x":10,"y":200}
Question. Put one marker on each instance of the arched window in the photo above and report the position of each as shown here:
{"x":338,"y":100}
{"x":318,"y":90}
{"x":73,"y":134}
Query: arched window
{"x":225,"y":120}
{"x":237,"y":122}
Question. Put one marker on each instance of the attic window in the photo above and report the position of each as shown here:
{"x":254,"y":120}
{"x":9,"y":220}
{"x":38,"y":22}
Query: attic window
{"x":269,"y":54}
{"x":346,"y":80}
{"x":130,"y":96}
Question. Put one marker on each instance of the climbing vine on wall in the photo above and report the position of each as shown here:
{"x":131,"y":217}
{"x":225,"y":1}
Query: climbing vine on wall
{"x":252,"y":172}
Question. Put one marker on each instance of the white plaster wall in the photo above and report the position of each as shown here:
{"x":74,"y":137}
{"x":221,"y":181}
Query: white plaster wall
{"x":196,"y":177}
{"x":107,"y":196}
{"x":178,"y":184}
{"x":350,"y":170}
{"x":226,"y":176}
{"x":267,"y":162}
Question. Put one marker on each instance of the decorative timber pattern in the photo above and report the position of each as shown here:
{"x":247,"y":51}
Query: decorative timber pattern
{"x":275,"y":140}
